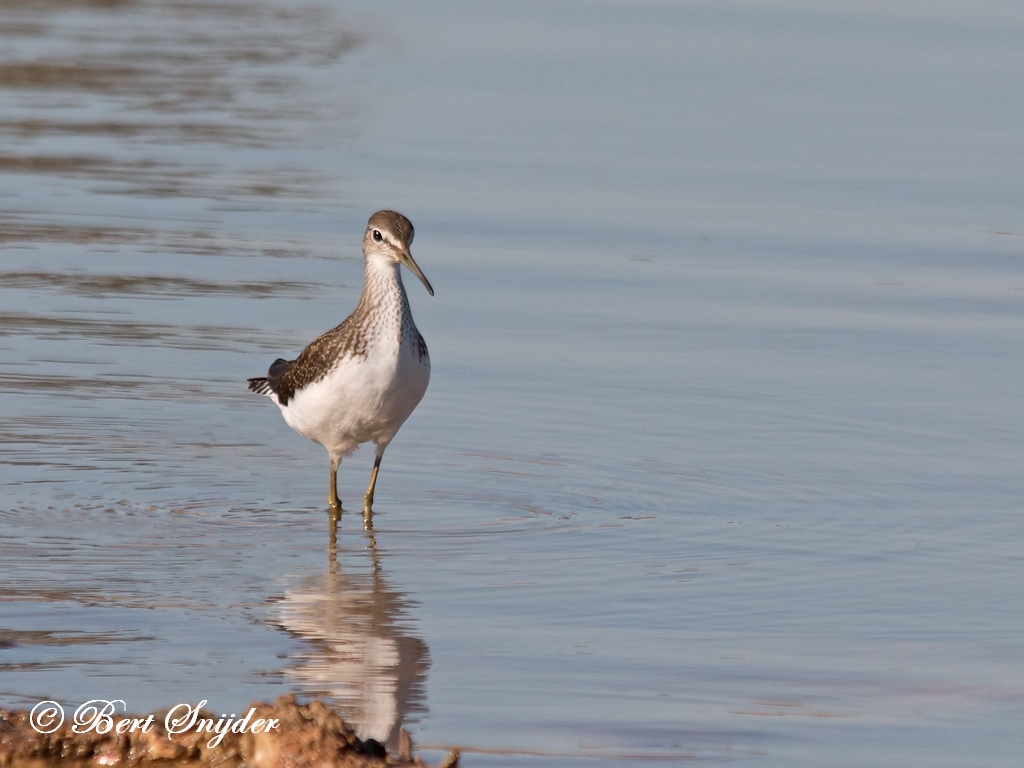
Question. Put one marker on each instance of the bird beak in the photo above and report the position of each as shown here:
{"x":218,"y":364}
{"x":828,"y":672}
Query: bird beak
{"x":408,"y":260}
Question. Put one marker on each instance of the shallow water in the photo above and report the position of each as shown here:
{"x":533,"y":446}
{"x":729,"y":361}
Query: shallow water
{"x":721,"y":457}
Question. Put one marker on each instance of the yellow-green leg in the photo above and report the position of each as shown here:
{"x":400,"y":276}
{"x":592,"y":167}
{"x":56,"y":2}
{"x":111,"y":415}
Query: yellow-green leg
{"x":332,"y":498}
{"x":368,"y":498}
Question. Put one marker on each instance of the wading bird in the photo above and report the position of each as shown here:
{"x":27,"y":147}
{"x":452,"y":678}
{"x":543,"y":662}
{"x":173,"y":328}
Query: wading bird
{"x":359,"y":382}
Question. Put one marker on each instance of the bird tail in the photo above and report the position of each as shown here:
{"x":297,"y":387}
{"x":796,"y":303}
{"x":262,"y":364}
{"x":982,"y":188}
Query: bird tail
{"x":269,"y":385}
{"x":260,"y":386}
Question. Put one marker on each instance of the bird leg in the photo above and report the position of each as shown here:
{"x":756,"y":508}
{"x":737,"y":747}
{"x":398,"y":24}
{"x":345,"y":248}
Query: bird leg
{"x":368,"y":498}
{"x":332,"y":499}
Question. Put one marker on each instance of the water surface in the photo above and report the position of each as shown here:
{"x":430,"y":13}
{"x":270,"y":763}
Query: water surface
{"x":721,"y":455}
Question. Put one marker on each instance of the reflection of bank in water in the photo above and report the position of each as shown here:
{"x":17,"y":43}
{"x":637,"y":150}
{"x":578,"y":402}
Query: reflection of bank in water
{"x":361,"y":655}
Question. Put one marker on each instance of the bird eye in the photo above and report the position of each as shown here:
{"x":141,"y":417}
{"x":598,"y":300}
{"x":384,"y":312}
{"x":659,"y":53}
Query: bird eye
{"x":377,"y":236}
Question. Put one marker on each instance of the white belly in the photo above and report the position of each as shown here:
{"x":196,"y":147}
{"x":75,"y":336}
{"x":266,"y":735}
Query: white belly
{"x":362,"y":400}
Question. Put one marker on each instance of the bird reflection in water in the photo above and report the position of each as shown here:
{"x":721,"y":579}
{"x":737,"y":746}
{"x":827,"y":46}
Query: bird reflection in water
{"x":362,"y":656}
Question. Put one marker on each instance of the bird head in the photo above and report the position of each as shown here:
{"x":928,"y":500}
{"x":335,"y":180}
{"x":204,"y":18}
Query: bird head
{"x":389,"y":235}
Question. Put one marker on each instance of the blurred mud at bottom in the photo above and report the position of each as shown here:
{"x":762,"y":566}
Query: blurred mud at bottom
{"x":307,"y":735}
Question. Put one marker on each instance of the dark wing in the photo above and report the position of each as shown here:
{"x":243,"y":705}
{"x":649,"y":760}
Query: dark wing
{"x":286,"y":377}
{"x":269,"y":383}
{"x":278,"y":369}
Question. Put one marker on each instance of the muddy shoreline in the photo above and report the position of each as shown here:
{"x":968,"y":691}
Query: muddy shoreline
{"x":285,"y":734}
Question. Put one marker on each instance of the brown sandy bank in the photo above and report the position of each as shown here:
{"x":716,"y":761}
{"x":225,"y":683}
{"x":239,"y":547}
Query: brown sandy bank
{"x":304,"y":736}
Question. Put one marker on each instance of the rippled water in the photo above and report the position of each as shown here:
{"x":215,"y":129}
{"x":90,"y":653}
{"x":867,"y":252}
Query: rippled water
{"x":721,"y":457}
